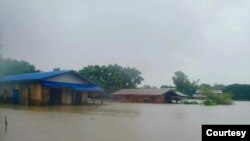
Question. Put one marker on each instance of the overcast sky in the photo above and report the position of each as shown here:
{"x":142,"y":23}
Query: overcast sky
{"x":206,"y":39}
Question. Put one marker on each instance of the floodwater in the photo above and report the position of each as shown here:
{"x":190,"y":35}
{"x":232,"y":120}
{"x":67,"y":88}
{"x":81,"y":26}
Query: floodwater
{"x":117,"y":122}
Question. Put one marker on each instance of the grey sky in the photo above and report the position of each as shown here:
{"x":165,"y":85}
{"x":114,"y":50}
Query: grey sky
{"x":206,"y":39}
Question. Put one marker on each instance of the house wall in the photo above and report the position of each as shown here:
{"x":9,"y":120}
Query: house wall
{"x":35,"y":91}
{"x":28,"y":93}
{"x":67,"y":96}
{"x":159,"y":99}
{"x":35,"y":94}
{"x":84,"y":97}
{"x":45,"y":96}
{"x":24,"y":94}
{"x":140,"y":98}
{"x":67,"y":78}
{"x":6,"y":92}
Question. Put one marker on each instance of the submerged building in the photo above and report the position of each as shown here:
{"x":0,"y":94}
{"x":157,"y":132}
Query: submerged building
{"x":47,"y":88}
{"x":163,"y":95}
{"x":200,"y":94}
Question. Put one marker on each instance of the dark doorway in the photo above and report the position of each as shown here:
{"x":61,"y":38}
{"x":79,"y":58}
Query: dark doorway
{"x":55,"y":96}
{"x":172,"y":96}
{"x":169,"y":96}
{"x":77,"y":98}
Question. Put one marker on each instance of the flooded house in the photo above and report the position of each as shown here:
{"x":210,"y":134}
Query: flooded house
{"x":200,"y":94}
{"x":163,"y":95}
{"x":47,"y":88}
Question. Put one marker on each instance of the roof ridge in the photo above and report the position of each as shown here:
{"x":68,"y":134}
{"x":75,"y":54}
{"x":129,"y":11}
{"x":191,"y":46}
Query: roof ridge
{"x":32,"y":76}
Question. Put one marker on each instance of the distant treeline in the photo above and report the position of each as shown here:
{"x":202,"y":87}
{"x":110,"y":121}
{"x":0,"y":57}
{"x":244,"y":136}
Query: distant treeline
{"x":115,"y":77}
{"x":239,"y":91}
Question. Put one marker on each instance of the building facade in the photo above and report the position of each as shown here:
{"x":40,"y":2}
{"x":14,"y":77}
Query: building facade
{"x":47,"y":88}
{"x":163,"y":95}
{"x":200,"y":94}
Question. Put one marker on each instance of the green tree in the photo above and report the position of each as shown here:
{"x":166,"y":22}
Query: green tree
{"x":239,"y":91}
{"x":183,"y":84}
{"x":112,"y":77}
{"x":146,"y":86}
{"x":56,"y":69}
{"x":167,"y":86}
{"x":204,"y":85}
{"x":214,"y":99}
{"x":12,"y":67}
{"x":218,"y":86}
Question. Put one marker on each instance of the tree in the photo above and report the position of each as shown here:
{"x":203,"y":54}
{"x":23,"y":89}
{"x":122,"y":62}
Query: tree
{"x":112,"y":77}
{"x":239,"y":91}
{"x":148,"y":87}
{"x":13,"y":67}
{"x":218,"y":86}
{"x":205,"y":85}
{"x":168,"y":86}
{"x":56,"y":69}
{"x":216,"y":99}
{"x":183,"y":84}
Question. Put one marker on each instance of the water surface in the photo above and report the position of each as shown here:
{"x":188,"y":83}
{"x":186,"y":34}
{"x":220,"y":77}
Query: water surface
{"x":117,"y":122}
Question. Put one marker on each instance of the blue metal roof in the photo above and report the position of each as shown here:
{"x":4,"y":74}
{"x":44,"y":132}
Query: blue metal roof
{"x":42,"y":76}
{"x":81,"y":87}
{"x":32,"y":76}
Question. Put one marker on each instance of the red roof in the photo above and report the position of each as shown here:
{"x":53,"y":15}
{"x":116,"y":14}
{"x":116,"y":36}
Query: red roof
{"x":142,"y":91}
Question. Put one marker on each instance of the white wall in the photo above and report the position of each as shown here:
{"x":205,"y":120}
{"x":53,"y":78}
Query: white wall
{"x":68,"y":78}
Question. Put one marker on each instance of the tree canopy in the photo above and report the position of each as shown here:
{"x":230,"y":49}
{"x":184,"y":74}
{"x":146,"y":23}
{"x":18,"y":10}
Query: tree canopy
{"x":183,"y":84}
{"x":239,"y":91}
{"x":12,"y":67}
{"x":112,"y":77}
{"x":216,"y":99}
{"x":205,"y":85}
{"x":147,"y":86}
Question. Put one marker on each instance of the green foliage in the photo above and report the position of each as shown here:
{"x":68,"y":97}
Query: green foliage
{"x":209,"y":102}
{"x":148,"y":87}
{"x":12,"y":67}
{"x":204,"y":85}
{"x":220,"y":99}
{"x":56,"y":69}
{"x":112,"y":77}
{"x":167,"y":86}
{"x":190,"y":102}
{"x":239,"y":91}
{"x":183,"y":84}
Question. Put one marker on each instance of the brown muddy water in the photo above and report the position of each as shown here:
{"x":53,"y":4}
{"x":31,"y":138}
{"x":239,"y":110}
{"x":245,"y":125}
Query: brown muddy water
{"x":117,"y":122}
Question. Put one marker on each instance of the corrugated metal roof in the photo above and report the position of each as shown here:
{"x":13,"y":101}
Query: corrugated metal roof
{"x":213,"y":91}
{"x":32,"y":76}
{"x":42,"y":76}
{"x":199,"y":96}
{"x":180,"y":94}
{"x":142,"y":91}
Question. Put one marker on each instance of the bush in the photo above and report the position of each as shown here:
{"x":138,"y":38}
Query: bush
{"x":224,"y":99}
{"x":209,"y":102}
{"x":190,"y":102}
{"x":220,"y":99}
